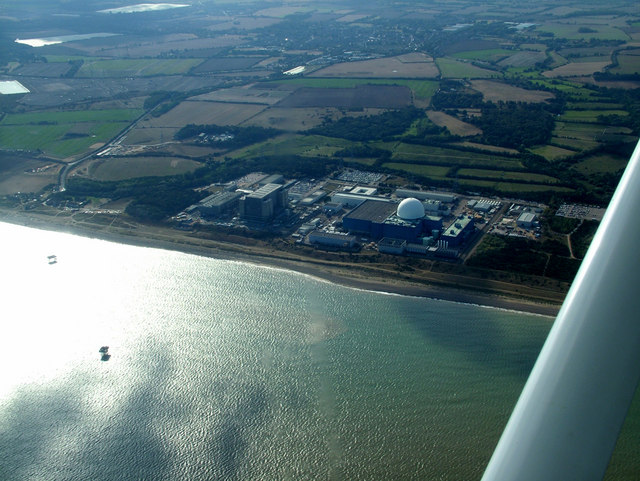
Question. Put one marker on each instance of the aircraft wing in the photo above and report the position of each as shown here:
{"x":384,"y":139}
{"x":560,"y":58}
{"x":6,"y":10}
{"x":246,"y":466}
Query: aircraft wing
{"x":567,"y":420}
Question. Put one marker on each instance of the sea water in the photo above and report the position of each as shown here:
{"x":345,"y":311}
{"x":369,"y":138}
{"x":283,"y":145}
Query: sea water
{"x":230,"y":370}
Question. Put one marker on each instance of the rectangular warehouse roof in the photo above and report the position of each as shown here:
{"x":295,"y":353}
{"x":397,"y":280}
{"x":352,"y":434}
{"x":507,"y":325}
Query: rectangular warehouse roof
{"x":373,"y":210}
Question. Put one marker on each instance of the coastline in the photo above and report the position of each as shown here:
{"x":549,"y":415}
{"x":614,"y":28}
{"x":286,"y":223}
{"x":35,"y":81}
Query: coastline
{"x":345,"y":275}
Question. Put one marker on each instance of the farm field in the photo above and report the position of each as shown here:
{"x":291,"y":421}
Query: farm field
{"x":588,"y":116}
{"x":523,"y":59}
{"x":454,"y":125}
{"x":24,"y":173}
{"x":391,"y":67}
{"x":63,"y":134}
{"x":120,"y":168}
{"x":488,"y":55}
{"x":244,"y":95}
{"x":510,"y":188}
{"x":577,"y":130}
{"x":451,"y":68}
{"x":422,"y":89}
{"x":289,"y":144}
{"x":163,"y":45}
{"x":577,"y":69}
{"x":58,"y":141}
{"x":443,"y":156}
{"x":507,"y":175}
{"x":42,"y":70}
{"x":146,"y":135}
{"x":361,"y":96}
{"x":293,"y":119}
{"x":594,"y":106}
{"x":136,"y":67}
{"x":431,"y":171}
{"x":628,"y":63}
{"x":494,"y":91}
{"x":572,"y":31}
{"x":551,"y":152}
{"x":226,"y":64}
{"x":597,"y":164}
{"x":72,"y":116}
{"x":574,"y":144}
{"x":190,"y":112}
{"x":488,"y":148}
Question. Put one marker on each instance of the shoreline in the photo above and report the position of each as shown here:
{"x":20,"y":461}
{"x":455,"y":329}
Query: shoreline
{"x":325,"y":271}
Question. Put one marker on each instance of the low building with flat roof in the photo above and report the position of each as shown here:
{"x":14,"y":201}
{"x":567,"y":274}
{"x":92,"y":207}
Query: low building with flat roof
{"x":388,"y":245}
{"x":368,"y":217}
{"x":427,"y":195}
{"x":332,"y":239}
{"x":526,"y":220}
{"x":218,"y":203}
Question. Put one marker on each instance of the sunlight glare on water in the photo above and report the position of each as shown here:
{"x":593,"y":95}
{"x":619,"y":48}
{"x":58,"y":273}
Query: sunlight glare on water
{"x":228,"y":370}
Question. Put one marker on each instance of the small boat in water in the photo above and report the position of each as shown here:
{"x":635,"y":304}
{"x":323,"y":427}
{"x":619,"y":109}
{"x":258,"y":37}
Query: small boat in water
{"x":53,"y":259}
{"x":104,"y":350}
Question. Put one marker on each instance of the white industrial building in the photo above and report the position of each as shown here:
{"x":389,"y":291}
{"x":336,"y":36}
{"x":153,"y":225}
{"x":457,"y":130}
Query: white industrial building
{"x":332,"y":239}
{"x":427,"y":195}
{"x":526,"y":220}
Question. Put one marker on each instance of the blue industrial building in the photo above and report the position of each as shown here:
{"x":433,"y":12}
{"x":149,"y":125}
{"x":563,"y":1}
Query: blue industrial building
{"x":378,"y":219}
{"x":457,"y":232}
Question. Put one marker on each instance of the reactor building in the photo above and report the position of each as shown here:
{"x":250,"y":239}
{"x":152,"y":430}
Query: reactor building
{"x":264,"y":204}
{"x":378,"y":219}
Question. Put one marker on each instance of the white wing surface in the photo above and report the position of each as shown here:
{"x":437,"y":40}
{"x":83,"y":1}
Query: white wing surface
{"x":567,"y":420}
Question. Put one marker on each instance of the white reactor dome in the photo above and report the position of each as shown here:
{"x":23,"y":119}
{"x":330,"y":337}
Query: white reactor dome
{"x":410,"y":209}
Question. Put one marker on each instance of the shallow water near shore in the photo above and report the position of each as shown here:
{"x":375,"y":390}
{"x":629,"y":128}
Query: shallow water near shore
{"x":228,"y":370}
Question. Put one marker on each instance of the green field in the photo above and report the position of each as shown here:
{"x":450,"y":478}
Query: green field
{"x":120,"y":168}
{"x":574,"y":144}
{"x":450,"y":68}
{"x":422,"y":89}
{"x":506,"y":175}
{"x":557,"y":60}
{"x":597,"y":164}
{"x":512,"y":188}
{"x":577,"y":130}
{"x":136,"y":67}
{"x":593,"y":106}
{"x":442,"y":156}
{"x":53,"y":139}
{"x":588,"y":116}
{"x":627,"y":64}
{"x":430,"y":171}
{"x":574,"y":90}
{"x":70,"y":117}
{"x":63,"y":134}
{"x":551,"y":152}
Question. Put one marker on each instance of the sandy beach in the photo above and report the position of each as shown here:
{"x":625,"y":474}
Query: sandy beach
{"x":356,"y":276}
